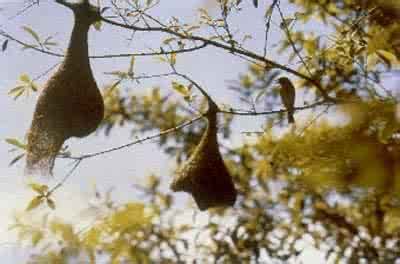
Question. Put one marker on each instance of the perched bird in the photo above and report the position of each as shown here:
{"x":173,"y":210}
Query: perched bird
{"x":288,"y":96}
{"x":70,"y":104}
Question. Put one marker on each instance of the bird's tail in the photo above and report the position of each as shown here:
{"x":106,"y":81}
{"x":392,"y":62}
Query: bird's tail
{"x":43,"y":147}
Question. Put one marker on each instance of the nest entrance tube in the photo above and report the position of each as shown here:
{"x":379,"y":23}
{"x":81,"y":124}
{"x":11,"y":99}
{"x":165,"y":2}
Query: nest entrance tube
{"x":205,"y":175}
{"x":70,"y":104}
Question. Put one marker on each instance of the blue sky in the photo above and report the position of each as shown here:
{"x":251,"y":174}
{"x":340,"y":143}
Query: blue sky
{"x":210,"y":67}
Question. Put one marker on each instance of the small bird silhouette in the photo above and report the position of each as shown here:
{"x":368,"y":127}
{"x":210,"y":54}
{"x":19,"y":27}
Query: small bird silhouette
{"x":288,"y":96}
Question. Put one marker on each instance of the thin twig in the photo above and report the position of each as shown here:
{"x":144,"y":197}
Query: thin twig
{"x":58,"y":185}
{"x":46,"y":71}
{"x":254,"y":113}
{"x":226,"y":47}
{"x":289,"y":37}
{"x":202,"y":91}
{"x":267,"y":27}
{"x":205,"y":42}
{"x":106,"y":56}
{"x":187,"y":123}
{"x":314,"y":119}
{"x":144,"y":76}
{"x":24,"y":10}
{"x":162,"y":133}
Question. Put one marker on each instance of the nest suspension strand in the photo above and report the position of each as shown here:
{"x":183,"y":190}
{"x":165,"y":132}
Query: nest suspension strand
{"x":70,"y":104}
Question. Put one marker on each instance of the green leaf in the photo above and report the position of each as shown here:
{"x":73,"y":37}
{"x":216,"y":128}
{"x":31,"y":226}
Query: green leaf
{"x":168,"y":40}
{"x":268,"y":11}
{"x":97,"y":25}
{"x":17,"y":91}
{"x":25,"y":47}
{"x":192,"y":28}
{"x":48,"y":42}
{"x":51,"y":204}
{"x":286,"y":23}
{"x":120,"y":74}
{"x":34,"y":203}
{"x":18,"y":94}
{"x":260,"y":94}
{"x":173,"y":59}
{"x":16,"y":159}
{"x":34,"y":87}
{"x":25,"y":78}
{"x":180,"y":88}
{"x":37,"y":236}
{"x":160,"y":58}
{"x":39,"y":188}
{"x":32,"y":33}
{"x":388,"y":58}
{"x":131,"y":64}
{"x":113,"y":86}
{"x":15,"y":142}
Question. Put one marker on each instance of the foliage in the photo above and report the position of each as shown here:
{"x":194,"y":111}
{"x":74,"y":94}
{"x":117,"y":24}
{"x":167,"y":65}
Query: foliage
{"x":330,"y":181}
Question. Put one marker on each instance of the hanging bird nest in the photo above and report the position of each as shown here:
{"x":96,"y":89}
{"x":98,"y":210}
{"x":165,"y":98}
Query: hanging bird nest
{"x":205,"y":175}
{"x":70,"y":104}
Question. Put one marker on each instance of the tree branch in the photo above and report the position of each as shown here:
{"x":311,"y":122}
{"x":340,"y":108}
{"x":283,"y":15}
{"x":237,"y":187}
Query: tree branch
{"x":162,"y":133}
{"x":205,"y":42}
{"x":289,"y":37}
{"x":226,"y":47}
{"x":106,"y":56}
{"x":61,"y":183}
{"x":211,"y":102}
{"x":254,"y":113}
{"x":187,"y":123}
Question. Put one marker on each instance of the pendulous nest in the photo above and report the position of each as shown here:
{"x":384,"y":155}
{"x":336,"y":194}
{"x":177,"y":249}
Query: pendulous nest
{"x":205,"y":175}
{"x":70,"y":104}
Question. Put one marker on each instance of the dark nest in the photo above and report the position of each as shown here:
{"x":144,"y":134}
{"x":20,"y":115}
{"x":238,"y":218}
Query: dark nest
{"x":205,"y":175}
{"x":70,"y":104}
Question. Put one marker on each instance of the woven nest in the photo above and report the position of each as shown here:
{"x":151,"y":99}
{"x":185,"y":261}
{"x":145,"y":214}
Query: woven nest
{"x":205,"y":175}
{"x":70,"y":104}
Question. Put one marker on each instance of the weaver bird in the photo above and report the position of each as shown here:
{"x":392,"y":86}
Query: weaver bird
{"x":288,"y":96}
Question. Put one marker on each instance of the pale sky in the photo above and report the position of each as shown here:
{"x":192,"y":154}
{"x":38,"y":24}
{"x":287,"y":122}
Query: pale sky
{"x":211,"y":67}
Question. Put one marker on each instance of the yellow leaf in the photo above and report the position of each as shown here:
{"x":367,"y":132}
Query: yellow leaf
{"x":92,"y":237}
{"x":168,"y":40}
{"x":173,"y":59}
{"x":24,"y":78}
{"x":180,"y":88}
{"x":66,"y":231}
{"x":15,"y":142}
{"x":51,"y":204}
{"x":132,"y":216}
{"x":35,"y":202}
{"x":36,"y":237}
{"x":160,"y":59}
{"x":131,"y":64}
{"x":32,"y":33}
{"x":97,"y":25}
{"x":388,"y":58}
{"x":39,"y":188}
{"x":17,"y":89}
